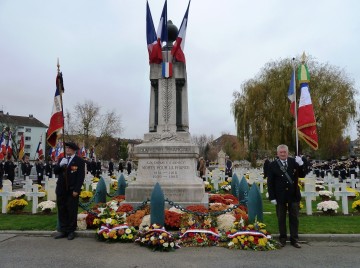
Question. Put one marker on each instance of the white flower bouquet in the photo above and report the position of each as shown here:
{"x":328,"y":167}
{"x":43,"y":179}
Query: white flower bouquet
{"x":19,"y":194}
{"x":325,"y":193}
{"x":328,"y":206}
{"x":47,"y":205}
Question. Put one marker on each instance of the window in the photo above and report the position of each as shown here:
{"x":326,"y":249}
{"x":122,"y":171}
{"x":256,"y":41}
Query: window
{"x":28,"y":138}
{"x":27,"y":146}
{"x":27,"y":129}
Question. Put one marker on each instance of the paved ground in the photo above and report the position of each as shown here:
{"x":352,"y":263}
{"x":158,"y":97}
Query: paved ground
{"x":41,"y":250}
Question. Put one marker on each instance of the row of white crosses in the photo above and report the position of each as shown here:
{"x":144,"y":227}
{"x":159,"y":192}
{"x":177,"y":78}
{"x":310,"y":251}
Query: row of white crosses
{"x":31,"y":192}
{"x":310,"y":193}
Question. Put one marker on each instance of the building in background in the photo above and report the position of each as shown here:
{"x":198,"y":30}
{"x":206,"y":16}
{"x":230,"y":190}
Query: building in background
{"x":31,"y":127}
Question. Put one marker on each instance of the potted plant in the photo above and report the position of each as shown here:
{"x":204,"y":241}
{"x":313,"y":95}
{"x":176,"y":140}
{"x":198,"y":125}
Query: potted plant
{"x":328,"y":207}
{"x":47,"y":206}
{"x":16,"y":205}
{"x":325,"y":195}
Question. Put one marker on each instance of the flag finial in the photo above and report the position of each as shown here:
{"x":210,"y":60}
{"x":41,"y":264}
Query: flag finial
{"x":58,"y":65}
{"x":303,"y":57}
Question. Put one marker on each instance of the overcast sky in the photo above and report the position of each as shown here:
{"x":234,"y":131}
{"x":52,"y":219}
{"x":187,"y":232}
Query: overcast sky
{"x":103,"y":54}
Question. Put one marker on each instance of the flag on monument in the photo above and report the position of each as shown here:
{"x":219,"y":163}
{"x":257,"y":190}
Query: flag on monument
{"x":178,"y":49}
{"x":22,"y":147}
{"x":155,"y":55}
{"x":57,"y":117}
{"x":154,"y":40}
{"x":83,"y":151}
{"x":306,"y":117}
{"x":162,"y":33}
{"x":291,"y":94}
{"x":167,"y":69}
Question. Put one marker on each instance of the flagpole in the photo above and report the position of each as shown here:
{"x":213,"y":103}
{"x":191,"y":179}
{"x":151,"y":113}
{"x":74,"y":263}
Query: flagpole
{"x":295,"y":108}
{"x":61,"y":88}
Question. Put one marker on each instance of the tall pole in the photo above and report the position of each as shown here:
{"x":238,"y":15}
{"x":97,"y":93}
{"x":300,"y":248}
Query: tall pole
{"x":61,"y":91}
{"x":295,"y":109}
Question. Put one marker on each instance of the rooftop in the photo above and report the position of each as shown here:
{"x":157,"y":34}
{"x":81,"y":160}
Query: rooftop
{"x":29,"y":121}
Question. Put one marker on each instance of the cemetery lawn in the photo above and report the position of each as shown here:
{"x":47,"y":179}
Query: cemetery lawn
{"x":315,"y":224}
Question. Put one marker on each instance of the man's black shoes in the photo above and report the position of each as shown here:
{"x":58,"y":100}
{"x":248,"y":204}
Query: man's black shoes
{"x":296,"y":245}
{"x":71,"y":236}
{"x":60,"y":235}
{"x":282,"y":243}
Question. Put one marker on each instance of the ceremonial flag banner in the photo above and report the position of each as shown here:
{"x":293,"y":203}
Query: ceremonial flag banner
{"x":22,"y":147}
{"x":57,"y":118}
{"x":291,"y":94}
{"x":9,"y":145}
{"x":178,"y":49}
{"x":3,"y":143}
{"x":39,"y":150}
{"x":306,"y":117}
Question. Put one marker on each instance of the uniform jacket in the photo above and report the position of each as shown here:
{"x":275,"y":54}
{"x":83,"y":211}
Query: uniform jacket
{"x":279,"y":187}
{"x":9,"y":169}
{"x":75,"y":172}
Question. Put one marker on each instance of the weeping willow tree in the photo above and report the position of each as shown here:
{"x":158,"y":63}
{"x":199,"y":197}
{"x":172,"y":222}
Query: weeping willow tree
{"x":261,"y":107}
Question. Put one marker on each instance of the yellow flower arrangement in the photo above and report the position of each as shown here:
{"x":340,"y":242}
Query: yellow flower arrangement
{"x":95,"y":179}
{"x":351,"y":190}
{"x":16,"y":204}
{"x":356,"y":205}
{"x":86,"y":194}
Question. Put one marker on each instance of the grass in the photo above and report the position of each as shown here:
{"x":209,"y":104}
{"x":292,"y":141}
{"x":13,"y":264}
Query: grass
{"x":315,"y":224}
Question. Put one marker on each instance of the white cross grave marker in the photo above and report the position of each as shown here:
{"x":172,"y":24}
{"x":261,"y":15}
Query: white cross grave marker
{"x":310,"y":193}
{"x":344,"y":194}
{"x":6,"y":194}
{"x":28,"y":185}
{"x":35,"y":194}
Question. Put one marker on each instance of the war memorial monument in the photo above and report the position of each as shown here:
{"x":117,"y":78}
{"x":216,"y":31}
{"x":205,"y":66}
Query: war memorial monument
{"x":167,"y":155}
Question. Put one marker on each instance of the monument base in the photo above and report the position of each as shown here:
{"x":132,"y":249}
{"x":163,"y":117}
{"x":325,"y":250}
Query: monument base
{"x":171,"y":163}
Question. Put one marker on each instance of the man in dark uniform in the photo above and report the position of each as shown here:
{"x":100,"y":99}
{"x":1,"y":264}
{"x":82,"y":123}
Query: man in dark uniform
{"x":111,"y":167}
{"x":71,"y":175}
{"x":39,"y":170}
{"x":121,"y":166}
{"x":93,"y":167}
{"x":9,"y":169}
{"x":49,"y":168}
{"x":284,"y":192}
{"x":26,"y":167}
{"x":266,"y":167}
{"x":98,"y":168}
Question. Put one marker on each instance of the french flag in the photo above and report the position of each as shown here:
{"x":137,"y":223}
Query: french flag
{"x":57,"y":118}
{"x":3,"y":144}
{"x":83,"y":151}
{"x":154,"y":39}
{"x":9,"y":144}
{"x":291,"y":94}
{"x":39,"y":150}
{"x":178,"y":49}
{"x":167,"y":69}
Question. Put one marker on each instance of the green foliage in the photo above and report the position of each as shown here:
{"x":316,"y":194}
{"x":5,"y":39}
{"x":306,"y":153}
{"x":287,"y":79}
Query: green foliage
{"x":261,"y":108}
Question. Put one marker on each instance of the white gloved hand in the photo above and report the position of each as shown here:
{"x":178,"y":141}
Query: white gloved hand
{"x":63,"y":162}
{"x":39,"y":174}
{"x":299,"y":160}
{"x":273,"y":202}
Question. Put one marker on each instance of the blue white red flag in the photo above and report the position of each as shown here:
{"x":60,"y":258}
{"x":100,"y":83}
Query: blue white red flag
{"x":39,"y":150}
{"x":57,"y":118}
{"x":153,"y":42}
{"x":162,"y":33}
{"x":167,"y":69}
{"x":9,"y":145}
{"x":291,"y":93}
{"x":178,"y":49}
{"x":3,"y":143}
{"x":83,"y":152}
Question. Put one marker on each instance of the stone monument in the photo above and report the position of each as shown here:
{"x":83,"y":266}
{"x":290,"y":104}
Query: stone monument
{"x":167,"y":155}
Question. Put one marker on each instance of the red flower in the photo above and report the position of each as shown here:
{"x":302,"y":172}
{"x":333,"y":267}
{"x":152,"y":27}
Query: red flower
{"x":197,"y":208}
{"x":125,"y":208}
